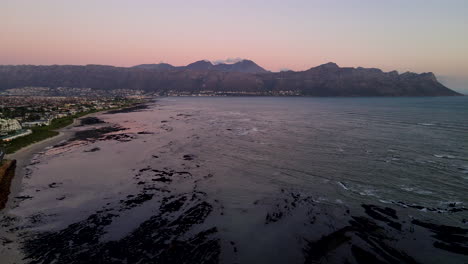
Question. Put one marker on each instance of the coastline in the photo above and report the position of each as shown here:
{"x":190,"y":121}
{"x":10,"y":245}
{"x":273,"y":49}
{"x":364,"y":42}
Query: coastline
{"x":214,"y":176}
{"x":24,"y":155}
{"x":22,"y":158}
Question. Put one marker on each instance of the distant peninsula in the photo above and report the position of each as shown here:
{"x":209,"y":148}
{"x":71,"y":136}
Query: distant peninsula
{"x":242,"y":78}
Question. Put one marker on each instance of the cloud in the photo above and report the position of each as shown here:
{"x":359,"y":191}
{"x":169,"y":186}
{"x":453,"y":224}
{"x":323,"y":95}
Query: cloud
{"x":228,"y":61}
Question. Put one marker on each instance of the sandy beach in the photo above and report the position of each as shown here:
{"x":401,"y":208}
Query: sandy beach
{"x":24,"y":156}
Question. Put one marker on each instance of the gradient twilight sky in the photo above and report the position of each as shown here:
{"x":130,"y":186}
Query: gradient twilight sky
{"x":403,"y":35}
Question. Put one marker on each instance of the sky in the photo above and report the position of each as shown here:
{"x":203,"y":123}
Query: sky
{"x":402,"y":35}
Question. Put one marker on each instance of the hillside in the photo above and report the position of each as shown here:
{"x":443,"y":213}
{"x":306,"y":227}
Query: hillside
{"x":240,"y":78}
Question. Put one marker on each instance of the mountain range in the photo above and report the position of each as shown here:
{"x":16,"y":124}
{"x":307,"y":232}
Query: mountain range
{"x":247,"y":66}
{"x":241,"y":78}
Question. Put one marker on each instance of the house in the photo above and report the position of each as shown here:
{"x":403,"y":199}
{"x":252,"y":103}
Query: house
{"x":9,"y":125}
{"x":44,"y":122}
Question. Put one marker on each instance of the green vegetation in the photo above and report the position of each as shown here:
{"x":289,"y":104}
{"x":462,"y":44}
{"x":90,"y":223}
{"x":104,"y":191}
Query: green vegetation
{"x":42,"y":132}
{"x":38,"y":134}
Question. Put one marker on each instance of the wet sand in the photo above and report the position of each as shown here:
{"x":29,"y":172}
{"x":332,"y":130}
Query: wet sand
{"x":23,"y":156}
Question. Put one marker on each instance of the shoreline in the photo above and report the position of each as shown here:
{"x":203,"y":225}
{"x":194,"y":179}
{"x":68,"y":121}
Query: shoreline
{"x":24,"y":155}
{"x":169,"y":183}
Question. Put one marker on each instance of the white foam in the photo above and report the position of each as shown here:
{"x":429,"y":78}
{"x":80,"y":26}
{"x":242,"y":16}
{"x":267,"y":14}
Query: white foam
{"x":385,"y":201}
{"x":368,"y":192}
{"x":343,"y":186}
{"x":444,"y":156}
{"x":426,"y":124}
{"x":416,"y":190}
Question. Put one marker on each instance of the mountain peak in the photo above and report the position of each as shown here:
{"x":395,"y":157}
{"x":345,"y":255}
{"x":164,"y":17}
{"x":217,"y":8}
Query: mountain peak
{"x":324,"y":80}
{"x":245,"y":62}
{"x":200,"y":65}
{"x":158,"y":66}
{"x":201,"y":62}
{"x":246,"y":66}
{"x":430,"y":76}
{"x":329,"y":65}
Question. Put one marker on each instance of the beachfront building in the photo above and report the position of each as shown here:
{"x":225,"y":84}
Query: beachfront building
{"x":44,"y":122}
{"x":9,"y":125}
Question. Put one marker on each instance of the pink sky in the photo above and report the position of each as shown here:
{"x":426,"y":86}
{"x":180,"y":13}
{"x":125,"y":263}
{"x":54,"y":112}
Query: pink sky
{"x":417,"y":35}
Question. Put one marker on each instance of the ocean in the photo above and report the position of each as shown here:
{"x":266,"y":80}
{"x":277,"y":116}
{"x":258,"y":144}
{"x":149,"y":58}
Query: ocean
{"x":251,"y":180}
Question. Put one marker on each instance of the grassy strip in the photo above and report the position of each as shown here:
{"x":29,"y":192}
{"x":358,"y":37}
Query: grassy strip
{"x":44,"y":132}
{"x":36,"y":136}
{"x":39,"y":134}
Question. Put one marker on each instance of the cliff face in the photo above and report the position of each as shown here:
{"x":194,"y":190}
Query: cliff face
{"x":331,"y":80}
{"x":325,"y":80}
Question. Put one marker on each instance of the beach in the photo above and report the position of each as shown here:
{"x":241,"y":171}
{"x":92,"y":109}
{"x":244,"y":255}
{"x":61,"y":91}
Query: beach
{"x":24,"y":155}
{"x":23,"y":158}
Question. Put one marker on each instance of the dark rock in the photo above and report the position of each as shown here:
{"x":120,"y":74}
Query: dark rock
{"x":93,"y":149}
{"x":54,"y":185}
{"x":363,"y":256}
{"x":450,"y":238}
{"x":441,"y":228}
{"x":319,"y":249}
{"x":135,"y":108}
{"x":23,"y":197}
{"x":94,"y":134}
{"x":189,"y":157}
{"x":378,"y":213}
{"x":139,"y":199}
{"x":90,"y":121}
{"x":145,"y":133}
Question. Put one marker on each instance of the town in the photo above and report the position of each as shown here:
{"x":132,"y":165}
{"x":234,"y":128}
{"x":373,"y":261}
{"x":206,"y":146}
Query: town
{"x":27,"y":113}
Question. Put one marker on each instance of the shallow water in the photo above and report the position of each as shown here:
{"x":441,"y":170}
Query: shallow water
{"x":254,"y":180}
